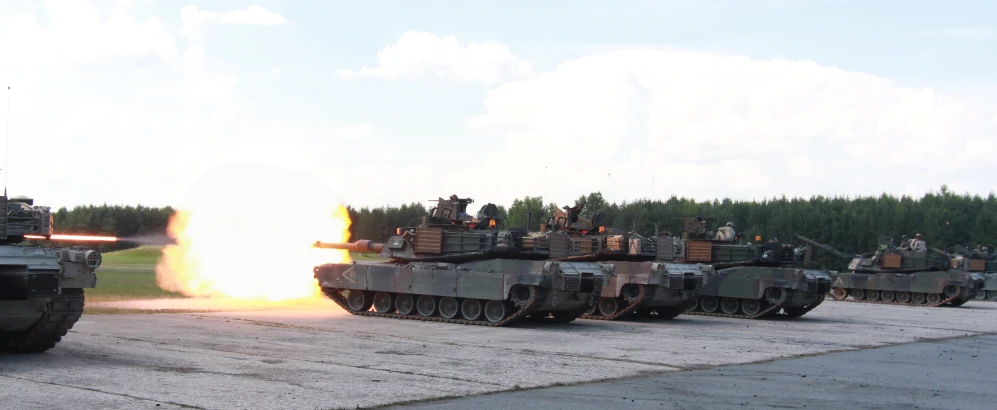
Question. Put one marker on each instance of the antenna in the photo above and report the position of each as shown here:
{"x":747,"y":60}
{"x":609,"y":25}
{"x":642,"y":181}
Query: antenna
{"x":6,"y":150}
{"x":545,"y":186}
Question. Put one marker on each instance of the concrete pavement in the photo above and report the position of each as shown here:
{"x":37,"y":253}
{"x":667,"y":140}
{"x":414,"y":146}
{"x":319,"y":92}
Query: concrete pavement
{"x":322,"y":357}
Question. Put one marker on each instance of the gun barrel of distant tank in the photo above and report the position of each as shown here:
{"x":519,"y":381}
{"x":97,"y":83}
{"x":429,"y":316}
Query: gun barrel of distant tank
{"x":825,"y":247}
{"x":361,"y":246}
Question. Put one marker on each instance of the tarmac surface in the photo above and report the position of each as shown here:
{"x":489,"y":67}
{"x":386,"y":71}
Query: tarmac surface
{"x":949,"y":374}
{"x":322,"y":357}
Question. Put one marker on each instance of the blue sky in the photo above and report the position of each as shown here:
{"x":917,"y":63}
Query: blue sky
{"x":852,"y":89}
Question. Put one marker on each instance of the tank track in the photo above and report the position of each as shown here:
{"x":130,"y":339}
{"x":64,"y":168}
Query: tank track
{"x":880,"y":302}
{"x":61,"y":313}
{"x":804,"y":310}
{"x":557,"y":317}
{"x":771,"y":309}
{"x":629,"y":308}
{"x":537,"y":299}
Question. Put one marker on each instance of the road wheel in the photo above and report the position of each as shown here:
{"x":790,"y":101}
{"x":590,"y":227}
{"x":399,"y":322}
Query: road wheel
{"x":404,"y":303}
{"x":471,"y":309}
{"x":383,"y":302}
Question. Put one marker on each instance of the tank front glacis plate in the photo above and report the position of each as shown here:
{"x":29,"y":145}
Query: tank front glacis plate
{"x":44,"y":271}
{"x":30,"y":272}
{"x":36,"y":258}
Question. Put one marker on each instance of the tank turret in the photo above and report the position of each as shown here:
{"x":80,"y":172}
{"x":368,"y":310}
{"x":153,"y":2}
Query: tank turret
{"x":890,"y":258}
{"x":448,"y":234}
{"x":22,"y":218}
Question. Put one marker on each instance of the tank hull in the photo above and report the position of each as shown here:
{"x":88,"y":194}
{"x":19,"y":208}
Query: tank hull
{"x":41,"y":295}
{"x":496,"y":292}
{"x":752,"y":292}
{"x":925,"y":289}
{"x":647,"y":290}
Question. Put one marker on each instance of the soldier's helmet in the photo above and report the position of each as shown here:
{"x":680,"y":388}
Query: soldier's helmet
{"x":730,"y":224}
{"x":904,"y":237}
{"x":917,"y":236}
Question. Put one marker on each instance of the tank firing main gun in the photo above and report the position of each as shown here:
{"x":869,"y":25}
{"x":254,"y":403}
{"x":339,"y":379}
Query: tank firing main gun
{"x":828,"y":248}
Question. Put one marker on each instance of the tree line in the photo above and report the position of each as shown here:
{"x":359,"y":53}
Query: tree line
{"x":850,"y":224}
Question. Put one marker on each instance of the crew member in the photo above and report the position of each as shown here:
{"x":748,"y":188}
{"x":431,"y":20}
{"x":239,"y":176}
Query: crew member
{"x":726,"y":232}
{"x":918,"y":244}
{"x":904,"y":242}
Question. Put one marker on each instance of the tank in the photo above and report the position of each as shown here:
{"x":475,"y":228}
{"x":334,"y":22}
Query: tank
{"x":41,"y":288}
{"x":638,"y":279}
{"x":456,"y":268}
{"x":752,"y":280}
{"x":897,"y":276}
{"x":980,"y":262}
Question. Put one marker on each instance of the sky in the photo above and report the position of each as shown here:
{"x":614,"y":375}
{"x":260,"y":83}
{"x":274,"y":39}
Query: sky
{"x":390,"y":102}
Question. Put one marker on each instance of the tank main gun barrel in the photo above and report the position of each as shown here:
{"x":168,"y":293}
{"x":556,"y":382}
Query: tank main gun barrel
{"x":361,"y":246}
{"x":825,"y":247}
{"x":938,"y":250}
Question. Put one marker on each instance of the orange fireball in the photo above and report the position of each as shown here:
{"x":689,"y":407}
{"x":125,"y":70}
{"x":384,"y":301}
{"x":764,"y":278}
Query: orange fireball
{"x":246,"y":232}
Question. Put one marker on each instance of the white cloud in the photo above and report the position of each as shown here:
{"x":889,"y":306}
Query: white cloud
{"x":801,"y":167}
{"x":708,"y":125}
{"x":354,"y":133}
{"x":970,"y":32}
{"x":111,"y":94}
{"x":76,"y":33}
{"x":422,"y":55}
{"x":193,"y":19}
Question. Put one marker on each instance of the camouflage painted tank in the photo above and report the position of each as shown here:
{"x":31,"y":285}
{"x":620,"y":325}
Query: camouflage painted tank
{"x":638,"y":281}
{"x":897,"y":276}
{"x":41,"y":288}
{"x":751,"y":280}
{"x":456,"y":268}
{"x":981,"y":262}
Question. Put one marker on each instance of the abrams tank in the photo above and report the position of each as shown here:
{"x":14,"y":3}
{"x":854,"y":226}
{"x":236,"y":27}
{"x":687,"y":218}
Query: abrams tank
{"x":981,"y":262}
{"x":639,"y":281}
{"x":456,"y":268}
{"x":897,"y":276}
{"x":752,"y":280}
{"x":41,"y":288}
